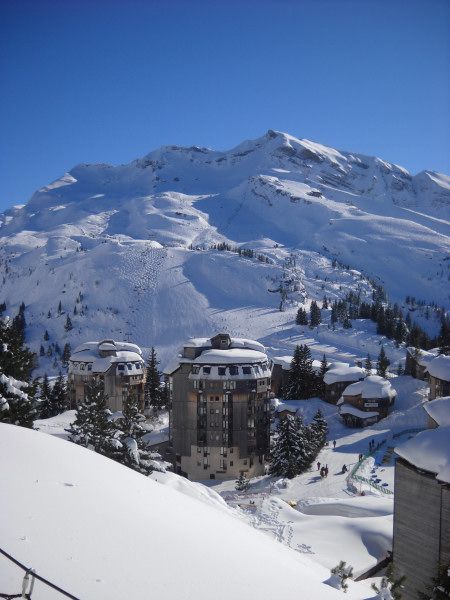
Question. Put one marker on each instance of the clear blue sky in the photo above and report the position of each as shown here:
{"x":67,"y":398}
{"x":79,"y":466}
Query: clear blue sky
{"x":108,"y":81}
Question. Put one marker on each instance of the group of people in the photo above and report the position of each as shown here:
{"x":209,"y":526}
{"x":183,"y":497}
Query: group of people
{"x":323,"y":470}
{"x":371,"y":445}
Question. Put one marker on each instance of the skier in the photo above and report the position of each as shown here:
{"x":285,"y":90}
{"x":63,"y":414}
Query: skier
{"x":344,"y":469}
{"x":326,"y":470}
{"x":318,"y":465}
{"x":322,"y":472}
{"x":334,"y":444}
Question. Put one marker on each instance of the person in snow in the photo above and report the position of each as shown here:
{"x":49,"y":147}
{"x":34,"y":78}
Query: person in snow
{"x":334,"y":444}
{"x":326,"y":470}
{"x":318,"y":465}
{"x":344,"y":468}
{"x":322,"y":472}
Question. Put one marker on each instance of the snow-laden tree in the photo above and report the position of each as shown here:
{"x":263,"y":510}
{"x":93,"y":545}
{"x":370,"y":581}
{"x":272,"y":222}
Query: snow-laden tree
{"x":44,"y":394}
{"x":58,"y":396}
{"x":383,"y":363}
{"x":154,"y":393}
{"x":368,"y":365}
{"x":92,"y":427}
{"x":302,"y":379}
{"x":315,"y":314}
{"x":242,"y":483}
{"x":301,"y":317}
{"x":319,"y":429}
{"x":132,"y":451}
{"x":339,"y":576}
{"x":17,"y":406}
{"x":291,"y":452}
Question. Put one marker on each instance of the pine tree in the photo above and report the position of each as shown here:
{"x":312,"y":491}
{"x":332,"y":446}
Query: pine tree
{"x":285,"y":454}
{"x":302,"y":317}
{"x":92,"y":427}
{"x":49,"y":315}
{"x":58,"y":397}
{"x":46,"y":336}
{"x":333,"y":317}
{"x":59,"y":308}
{"x":302,"y":379}
{"x":17,"y":405}
{"x":319,"y":429}
{"x":325,"y":303}
{"x":41,"y":350}
{"x":444,"y":336}
{"x":16,"y":360}
{"x":132,"y":451}
{"x":68,"y":324}
{"x":383,"y":363}
{"x":390,"y":586}
{"x":242,"y":483}
{"x":346,"y":323}
{"x":320,"y":379}
{"x":315,"y":315}
{"x":153,"y":392}
{"x":368,"y":365}
{"x":45,"y":408}
{"x":67,"y":351}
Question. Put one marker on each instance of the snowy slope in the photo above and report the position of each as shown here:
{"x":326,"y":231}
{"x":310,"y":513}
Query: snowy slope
{"x":136,"y":240}
{"x":102,"y":531}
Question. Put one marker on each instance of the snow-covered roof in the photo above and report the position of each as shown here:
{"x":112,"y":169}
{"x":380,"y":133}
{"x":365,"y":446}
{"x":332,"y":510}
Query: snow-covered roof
{"x":343,"y":373}
{"x":348,"y":409}
{"x":373,"y":386}
{"x":108,"y":345}
{"x":235,"y":343}
{"x":439,"y":410}
{"x":231,"y":356}
{"x":430,"y":451}
{"x":423,"y":357}
{"x":284,"y":406}
{"x":439,"y":367}
{"x":90,"y":353}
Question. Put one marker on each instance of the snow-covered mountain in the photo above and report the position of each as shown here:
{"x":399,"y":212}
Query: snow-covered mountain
{"x":135,"y":240}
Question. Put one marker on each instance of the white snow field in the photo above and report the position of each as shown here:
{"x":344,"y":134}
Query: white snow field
{"x":101,"y":531}
{"x":135,"y":240}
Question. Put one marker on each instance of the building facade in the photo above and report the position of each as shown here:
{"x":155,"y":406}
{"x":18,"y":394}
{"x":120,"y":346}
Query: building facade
{"x":439,"y":376}
{"x":118,"y":364}
{"x":219,"y":408}
{"x":338,"y":377}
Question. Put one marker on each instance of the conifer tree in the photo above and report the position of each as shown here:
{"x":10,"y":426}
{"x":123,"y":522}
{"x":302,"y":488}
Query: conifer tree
{"x":58,"y":397}
{"x":153,"y":392}
{"x":285,"y":461}
{"x":368,"y":365}
{"x":319,"y":429}
{"x":92,"y":427}
{"x":67,"y":351}
{"x":302,"y":317}
{"x":302,"y":379}
{"x":41,"y":350}
{"x":320,"y":383}
{"x":16,"y":360}
{"x":315,"y":315}
{"x":242,"y":483}
{"x":17,"y":405}
{"x":46,"y":336}
{"x":383,"y":363}
{"x":325,"y":303}
{"x":132,"y":451}
{"x":45,"y":408}
{"x":68,"y":324}
{"x":59,"y":308}
{"x":444,"y":336}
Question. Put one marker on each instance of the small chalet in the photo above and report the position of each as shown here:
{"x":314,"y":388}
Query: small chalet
{"x":439,"y":376}
{"x":417,"y":361}
{"x":283,"y":410}
{"x":438,"y":411}
{"x":366,"y":402}
{"x":338,"y":377}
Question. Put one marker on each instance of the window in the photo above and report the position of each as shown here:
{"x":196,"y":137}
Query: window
{"x":222,"y":371}
{"x":129,"y":366}
{"x":234,"y":370}
{"x":245,"y":461}
{"x":231,"y":463}
{"x":195,"y":370}
{"x":217,"y":400}
{"x":207,"y":370}
{"x":82,"y":366}
{"x":247,"y":370}
{"x":89,"y":367}
{"x":120,"y":367}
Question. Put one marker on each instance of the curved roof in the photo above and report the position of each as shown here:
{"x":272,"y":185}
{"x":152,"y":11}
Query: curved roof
{"x":430,"y":451}
{"x":439,"y":367}
{"x":231,"y":356}
{"x":439,"y":410}
{"x":373,"y":386}
{"x":343,"y":372}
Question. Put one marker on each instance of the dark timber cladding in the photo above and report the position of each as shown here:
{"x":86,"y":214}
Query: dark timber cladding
{"x":219,"y":415}
{"x":421,"y":527}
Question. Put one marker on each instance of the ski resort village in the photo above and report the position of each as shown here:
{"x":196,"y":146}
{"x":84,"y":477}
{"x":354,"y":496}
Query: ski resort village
{"x":226,"y":375}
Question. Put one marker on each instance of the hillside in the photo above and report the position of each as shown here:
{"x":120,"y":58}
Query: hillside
{"x":67,"y":511}
{"x":136,"y":241}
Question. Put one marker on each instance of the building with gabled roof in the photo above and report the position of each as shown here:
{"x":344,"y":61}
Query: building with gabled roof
{"x":365,"y":402}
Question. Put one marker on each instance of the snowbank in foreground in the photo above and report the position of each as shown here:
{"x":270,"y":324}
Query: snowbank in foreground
{"x":102,"y":531}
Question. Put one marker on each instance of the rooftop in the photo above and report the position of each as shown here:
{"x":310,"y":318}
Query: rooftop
{"x":373,"y":386}
{"x":440,"y":367}
{"x":439,"y":410}
{"x":343,"y":372}
{"x":430,"y":451}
